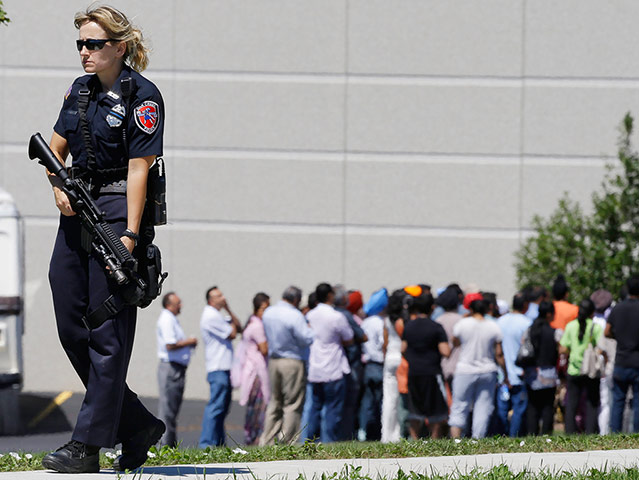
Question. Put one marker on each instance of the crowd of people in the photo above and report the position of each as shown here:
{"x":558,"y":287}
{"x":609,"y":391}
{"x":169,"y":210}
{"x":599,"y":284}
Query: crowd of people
{"x":410,"y":363}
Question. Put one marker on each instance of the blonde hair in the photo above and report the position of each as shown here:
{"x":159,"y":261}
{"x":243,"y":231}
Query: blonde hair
{"x":118,"y":28}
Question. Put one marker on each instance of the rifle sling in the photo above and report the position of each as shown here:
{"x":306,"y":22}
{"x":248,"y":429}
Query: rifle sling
{"x":127,"y":86}
{"x":109,"y":308}
{"x":84,"y":95}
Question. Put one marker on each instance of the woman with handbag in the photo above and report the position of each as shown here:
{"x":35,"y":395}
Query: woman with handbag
{"x":578,"y":342}
{"x":541,"y":377}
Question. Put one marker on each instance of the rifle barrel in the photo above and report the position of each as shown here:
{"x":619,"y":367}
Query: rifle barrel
{"x":39,"y":149}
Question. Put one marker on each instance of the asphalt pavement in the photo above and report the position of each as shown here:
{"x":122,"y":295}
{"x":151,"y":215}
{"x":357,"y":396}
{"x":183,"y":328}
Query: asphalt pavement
{"x":375,"y":468}
{"x":48,"y":424}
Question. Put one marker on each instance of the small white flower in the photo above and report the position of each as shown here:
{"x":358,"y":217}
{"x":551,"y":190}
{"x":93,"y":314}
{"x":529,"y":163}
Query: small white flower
{"x":522,"y":443}
{"x":240,"y":451}
{"x":110,"y":455}
{"x":28,"y":456}
{"x":15,"y":455}
{"x":1,"y":455}
{"x":150,"y":454}
{"x":548,"y":440}
{"x":457,"y":440}
{"x":119,"y":452}
{"x":474,"y":442}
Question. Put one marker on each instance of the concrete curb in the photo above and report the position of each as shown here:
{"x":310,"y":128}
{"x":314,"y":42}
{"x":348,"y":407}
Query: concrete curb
{"x":386,"y":467}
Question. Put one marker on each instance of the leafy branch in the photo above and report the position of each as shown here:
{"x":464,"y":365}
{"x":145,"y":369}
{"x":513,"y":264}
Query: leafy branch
{"x":3,"y":15}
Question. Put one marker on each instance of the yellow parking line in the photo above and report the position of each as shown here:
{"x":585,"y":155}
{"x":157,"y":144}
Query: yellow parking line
{"x":56,"y":402}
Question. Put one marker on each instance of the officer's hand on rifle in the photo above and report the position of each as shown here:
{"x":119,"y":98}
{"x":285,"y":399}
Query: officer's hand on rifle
{"x":61,"y":198}
{"x":129,"y":243}
{"x":62,"y":202}
{"x":60,"y":148}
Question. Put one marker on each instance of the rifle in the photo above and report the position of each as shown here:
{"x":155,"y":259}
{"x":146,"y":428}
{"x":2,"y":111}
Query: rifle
{"x":98,"y":236}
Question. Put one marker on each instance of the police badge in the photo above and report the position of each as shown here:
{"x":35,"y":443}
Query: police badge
{"x":116,"y":116}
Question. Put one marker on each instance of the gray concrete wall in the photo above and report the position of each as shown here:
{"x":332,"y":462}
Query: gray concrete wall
{"x":368,"y":142}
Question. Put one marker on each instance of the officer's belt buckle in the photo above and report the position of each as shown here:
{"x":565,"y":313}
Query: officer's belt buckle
{"x":114,"y":187}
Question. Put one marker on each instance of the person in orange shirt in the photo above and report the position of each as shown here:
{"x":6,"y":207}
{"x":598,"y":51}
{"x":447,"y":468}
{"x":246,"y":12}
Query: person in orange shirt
{"x":402,"y":386}
{"x":564,"y":311}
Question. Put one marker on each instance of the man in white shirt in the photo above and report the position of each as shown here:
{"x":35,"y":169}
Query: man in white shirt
{"x":327,"y":365}
{"x":217,"y":333}
{"x":174,"y":352}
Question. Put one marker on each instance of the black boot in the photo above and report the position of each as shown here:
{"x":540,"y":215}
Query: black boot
{"x":74,"y":457}
{"x":135,"y":449}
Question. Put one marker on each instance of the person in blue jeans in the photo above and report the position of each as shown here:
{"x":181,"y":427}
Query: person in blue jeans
{"x":216,"y":409}
{"x":514,"y":394}
{"x":217,"y":333}
{"x":622,"y":325}
{"x":327,"y":366}
{"x":370,"y":411}
{"x":354,"y":380}
{"x":327,"y":405}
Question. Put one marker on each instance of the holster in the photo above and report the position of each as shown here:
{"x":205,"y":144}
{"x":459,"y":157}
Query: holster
{"x":156,"y":193}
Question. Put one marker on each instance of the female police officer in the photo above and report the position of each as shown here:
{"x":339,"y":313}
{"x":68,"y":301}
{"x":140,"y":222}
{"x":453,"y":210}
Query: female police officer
{"x":123,"y":126}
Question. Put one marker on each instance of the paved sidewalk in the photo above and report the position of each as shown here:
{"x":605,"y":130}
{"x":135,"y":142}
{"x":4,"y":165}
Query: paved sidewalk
{"x":312,"y":469}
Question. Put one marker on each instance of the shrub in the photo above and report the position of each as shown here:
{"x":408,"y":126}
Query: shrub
{"x":593,"y":251}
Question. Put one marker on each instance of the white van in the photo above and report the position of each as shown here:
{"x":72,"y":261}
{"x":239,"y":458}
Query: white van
{"x":11,"y":313}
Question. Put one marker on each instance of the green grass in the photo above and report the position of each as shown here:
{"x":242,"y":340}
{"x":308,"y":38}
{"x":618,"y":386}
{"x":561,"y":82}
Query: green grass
{"x":346,"y":450}
{"x":420,"y":448}
{"x":497,"y":473}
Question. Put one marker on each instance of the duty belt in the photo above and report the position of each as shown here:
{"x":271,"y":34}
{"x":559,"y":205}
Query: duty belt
{"x":115,"y":187}
{"x":105,"y":186}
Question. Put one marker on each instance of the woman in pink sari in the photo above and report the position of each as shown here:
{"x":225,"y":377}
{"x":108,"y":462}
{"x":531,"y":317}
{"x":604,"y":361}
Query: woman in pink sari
{"x":253,"y":379}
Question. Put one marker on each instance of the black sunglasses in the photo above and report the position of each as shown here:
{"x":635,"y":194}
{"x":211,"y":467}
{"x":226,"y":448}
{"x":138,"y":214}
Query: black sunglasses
{"x":92,"y":43}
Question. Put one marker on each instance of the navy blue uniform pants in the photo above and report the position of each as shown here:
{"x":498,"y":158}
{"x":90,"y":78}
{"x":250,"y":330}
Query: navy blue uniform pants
{"x":110,"y":412}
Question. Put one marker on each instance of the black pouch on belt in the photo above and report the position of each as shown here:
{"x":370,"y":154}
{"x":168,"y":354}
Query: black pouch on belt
{"x":156,"y":193}
{"x":150,"y":269}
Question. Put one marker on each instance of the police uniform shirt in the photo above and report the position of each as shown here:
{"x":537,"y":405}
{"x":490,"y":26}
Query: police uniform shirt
{"x":107,"y":115}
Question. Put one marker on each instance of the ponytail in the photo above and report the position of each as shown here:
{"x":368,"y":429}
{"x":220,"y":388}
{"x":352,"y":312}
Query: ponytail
{"x":137,"y":53}
{"x":586,"y":309}
{"x":582,"y":327}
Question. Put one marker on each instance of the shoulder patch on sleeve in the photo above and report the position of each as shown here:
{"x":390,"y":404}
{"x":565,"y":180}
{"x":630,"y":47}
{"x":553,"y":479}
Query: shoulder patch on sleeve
{"x":147,"y":116}
{"x":68,"y":92}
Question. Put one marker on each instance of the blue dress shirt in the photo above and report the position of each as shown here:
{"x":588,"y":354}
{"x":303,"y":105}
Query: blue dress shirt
{"x":287,"y":332}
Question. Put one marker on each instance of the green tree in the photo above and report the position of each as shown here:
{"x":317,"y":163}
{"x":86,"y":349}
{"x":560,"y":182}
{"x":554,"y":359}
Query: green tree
{"x":593,"y":251}
{"x":3,"y":15}
{"x":560,"y":245}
